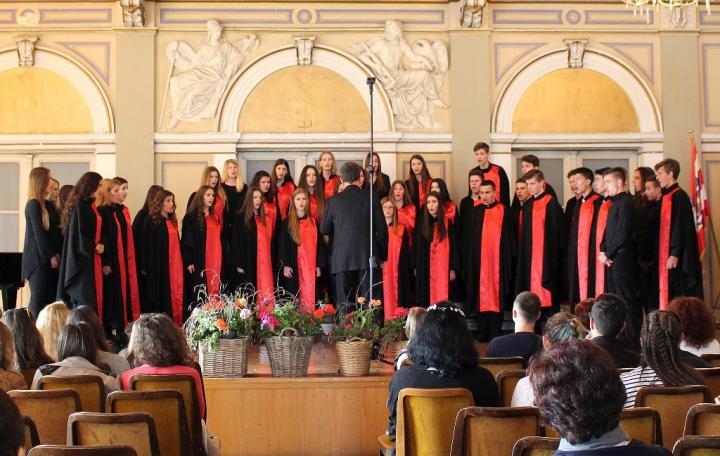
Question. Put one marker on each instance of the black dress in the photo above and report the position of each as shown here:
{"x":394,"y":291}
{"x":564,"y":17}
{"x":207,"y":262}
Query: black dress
{"x":39,"y":247}
{"x":114,"y":316}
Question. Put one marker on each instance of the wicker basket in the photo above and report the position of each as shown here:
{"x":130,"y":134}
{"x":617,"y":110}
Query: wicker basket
{"x":289,"y":355}
{"x":393,"y":349}
{"x":354,"y":357}
{"x":229,"y":360}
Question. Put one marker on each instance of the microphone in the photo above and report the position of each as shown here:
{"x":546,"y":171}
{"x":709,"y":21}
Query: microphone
{"x":370,"y":82}
{"x":370,"y":169}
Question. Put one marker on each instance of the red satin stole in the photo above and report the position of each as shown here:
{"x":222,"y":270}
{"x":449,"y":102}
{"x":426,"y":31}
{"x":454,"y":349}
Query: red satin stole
{"x":314,"y":208}
{"x":97,"y":262}
{"x":264,"y":279}
{"x":122,"y":265}
{"x":664,"y":246}
{"x":539,"y":210}
{"x":599,"y":234}
{"x":270,"y":210}
{"x":439,"y":267}
{"x":213,"y":254}
{"x":284,"y":195}
{"x":219,"y":209}
{"x":406,"y":216}
{"x":493,"y":174}
{"x":390,"y":271}
{"x":450,"y":211}
{"x":423,"y":190}
{"x":307,"y":263}
{"x":490,"y":258}
{"x":587,"y":210}
{"x":132,"y":266}
{"x":175,"y":270}
{"x":331,"y":185}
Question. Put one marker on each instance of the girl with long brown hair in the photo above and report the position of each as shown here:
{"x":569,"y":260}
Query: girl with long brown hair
{"x":380,"y":181}
{"x":329,"y":173}
{"x":283,"y":183}
{"x":271,"y":209}
{"x":313,"y":183}
{"x":211,"y":178}
{"x":202,"y":248}
{"x":43,"y":242}
{"x":396,"y":270}
{"x":407,"y":211}
{"x":80,"y":263}
{"x":418,"y":181}
{"x":302,"y":252}
{"x":161,"y":262}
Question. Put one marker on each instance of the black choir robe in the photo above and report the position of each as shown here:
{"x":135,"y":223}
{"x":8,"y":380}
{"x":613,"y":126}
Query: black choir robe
{"x":193,"y":240}
{"x":132,"y":284}
{"x":78,"y":283}
{"x":646,"y":219}
{"x":287,"y":255}
{"x":38,"y":249}
{"x":497,"y":174}
{"x":243,"y":249}
{"x":114,"y":310}
{"x":552,"y":234}
{"x":679,"y":223}
{"x":421,"y":260}
{"x":382,"y":193}
{"x":402,"y":270}
{"x":592,"y":202}
{"x":233,"y":205}
{"x":548,"y":189}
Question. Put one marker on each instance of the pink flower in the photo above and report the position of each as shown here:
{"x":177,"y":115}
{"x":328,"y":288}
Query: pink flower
{"x":269,"y":321}
{"x":400,"y":312}
{"x":348,"y":325}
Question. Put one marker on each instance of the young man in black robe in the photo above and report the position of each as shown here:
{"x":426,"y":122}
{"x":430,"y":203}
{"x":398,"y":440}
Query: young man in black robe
{"x":679,"y":269}
{"x":617,"y":251}
{"x":488,"y":250}
{"x":581,"y":244}
{"x":541,"y":241}
{"x":648,"y":246}
{"x":492,"y":172}
{"x":522,"y":196}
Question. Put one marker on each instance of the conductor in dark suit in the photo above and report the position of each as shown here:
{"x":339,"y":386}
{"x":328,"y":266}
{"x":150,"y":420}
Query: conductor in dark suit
{"x":347,"y":220}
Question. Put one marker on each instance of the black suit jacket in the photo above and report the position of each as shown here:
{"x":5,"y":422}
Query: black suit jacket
{"x":347,"y":220}
{"x":40,"y":244}
{"x":623,"y":357}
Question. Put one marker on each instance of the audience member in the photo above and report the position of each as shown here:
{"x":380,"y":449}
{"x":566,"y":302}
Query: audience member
{"x":561,"y":327}
{"x":444,"y":354}
{"x":51,"y":320}
{"x":29,"y":351}
{"x":523,"y":342}
{"x":584,"y":409}
{"x":414,"y":318}
{"x":607,"y":321}
{"x":116,"y":363}
{"x":661,"y":360}
{"x":698,"y":326}
{"x":10,"y":379}
{"x":77,"y":353}
{"x":582,"y":311}
{"x":12,"y":429}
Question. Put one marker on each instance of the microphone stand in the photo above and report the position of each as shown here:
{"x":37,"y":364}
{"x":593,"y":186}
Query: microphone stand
{"x":371,"y":171}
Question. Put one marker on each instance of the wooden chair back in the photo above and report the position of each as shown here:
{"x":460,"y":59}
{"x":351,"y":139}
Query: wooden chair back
{"x":490,"y":431}
{"x":136,"y":430}
{"x":697,"y":446}
{"x":703,"y":420}
{"x":497,"y":365}
{"x":64,"y":450}
{"x":168,"y":411}
{"x":535,"y":446}
{"x":643,"y":424}
{"x":49,"y":410}
{"x":31,"y":433}
{"x":713,"y":359}
{"x":507,"y":380}
{"x":90,"y":388}
{"x":712,"y":379}
{"x":425,"y":419}
{"x":185,"y":384}
{"x":672,"y":403}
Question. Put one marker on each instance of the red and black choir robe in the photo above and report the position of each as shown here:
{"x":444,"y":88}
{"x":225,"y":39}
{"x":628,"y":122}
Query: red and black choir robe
{"x":283,"y":193}
{"x":331,"y":185}
{"x":419,"y":194}
{"x":161,"y":265}
{"x":600,"y":226}
{"x":202,"y":248}
{"x":581,"y":248}
{"x":433,"y":260}
{"x":303,"y":259}
{"x":314,"y":209}
{"x":132,"y":302}
{"x":254,"y":250}
{"x":396,"y":271}
{"x":539,"y":264}
{"x":272,"y":214}
{"x":498,"y":176}
{"x":80,"y":281}
{"x":678,"y":237}
{"x":115,"y":284}
{"x":407,"y":216}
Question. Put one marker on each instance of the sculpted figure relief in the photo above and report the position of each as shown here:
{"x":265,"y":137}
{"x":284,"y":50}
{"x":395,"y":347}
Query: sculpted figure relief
{"x":412,"y":75}
{"x":471,"y":13}
{"x":133,"y":13}
{"x":203,"y":76}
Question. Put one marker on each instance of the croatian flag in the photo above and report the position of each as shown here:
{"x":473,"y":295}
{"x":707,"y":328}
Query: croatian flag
{"x":698,"y":196}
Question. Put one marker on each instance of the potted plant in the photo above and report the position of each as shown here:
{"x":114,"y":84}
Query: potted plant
{"x":326,"y":314}
{"x":354,"y":335}
{"x":393,"y":338}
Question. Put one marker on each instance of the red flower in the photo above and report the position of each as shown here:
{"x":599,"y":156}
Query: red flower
{"x":348,"y":325}
{"x":400,"y":312}
{"x":319,"y":313}
{"x":329,"y":309}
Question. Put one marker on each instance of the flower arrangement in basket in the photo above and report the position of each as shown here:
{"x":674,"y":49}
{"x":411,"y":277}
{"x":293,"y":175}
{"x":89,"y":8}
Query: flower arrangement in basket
{"x":326,"y":314}
{"x":393,"y":336}
{"x":289,"y":336}
{"x":355,"y":333}
{"x":221,"y":330}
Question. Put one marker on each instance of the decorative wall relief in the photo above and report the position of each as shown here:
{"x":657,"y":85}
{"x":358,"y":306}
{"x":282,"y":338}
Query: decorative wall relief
{"x":203,"y":76}
{"x":26,"y":50}
{"x":471,"y":13}
{"x":412,"y":75}
{"x":576,"y":52}
{"x":304,"y":48}
{"x":133,"y":12}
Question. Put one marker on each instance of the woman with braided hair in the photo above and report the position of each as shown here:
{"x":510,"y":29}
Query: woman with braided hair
{"x":662,"y":364}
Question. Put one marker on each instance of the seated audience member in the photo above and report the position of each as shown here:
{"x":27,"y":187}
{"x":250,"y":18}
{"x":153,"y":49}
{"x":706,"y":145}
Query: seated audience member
{"x":116,"y":363}
{"x":606,"y":323}
{"x":414,"y":318}
{"x":51,"y":320}
{"x":9,"y":378}
{"x":698,"y":326}
{"x":29,"y":351}
{"x":661,"y":360}
{"x":561,"y":327}
{"x":12,"y":428}
{"x":444,"y":354}
{"x":582,"y":311}
{"x":523,"y":342}
{"x":77,"y":353}
{"x":584,"y":409}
